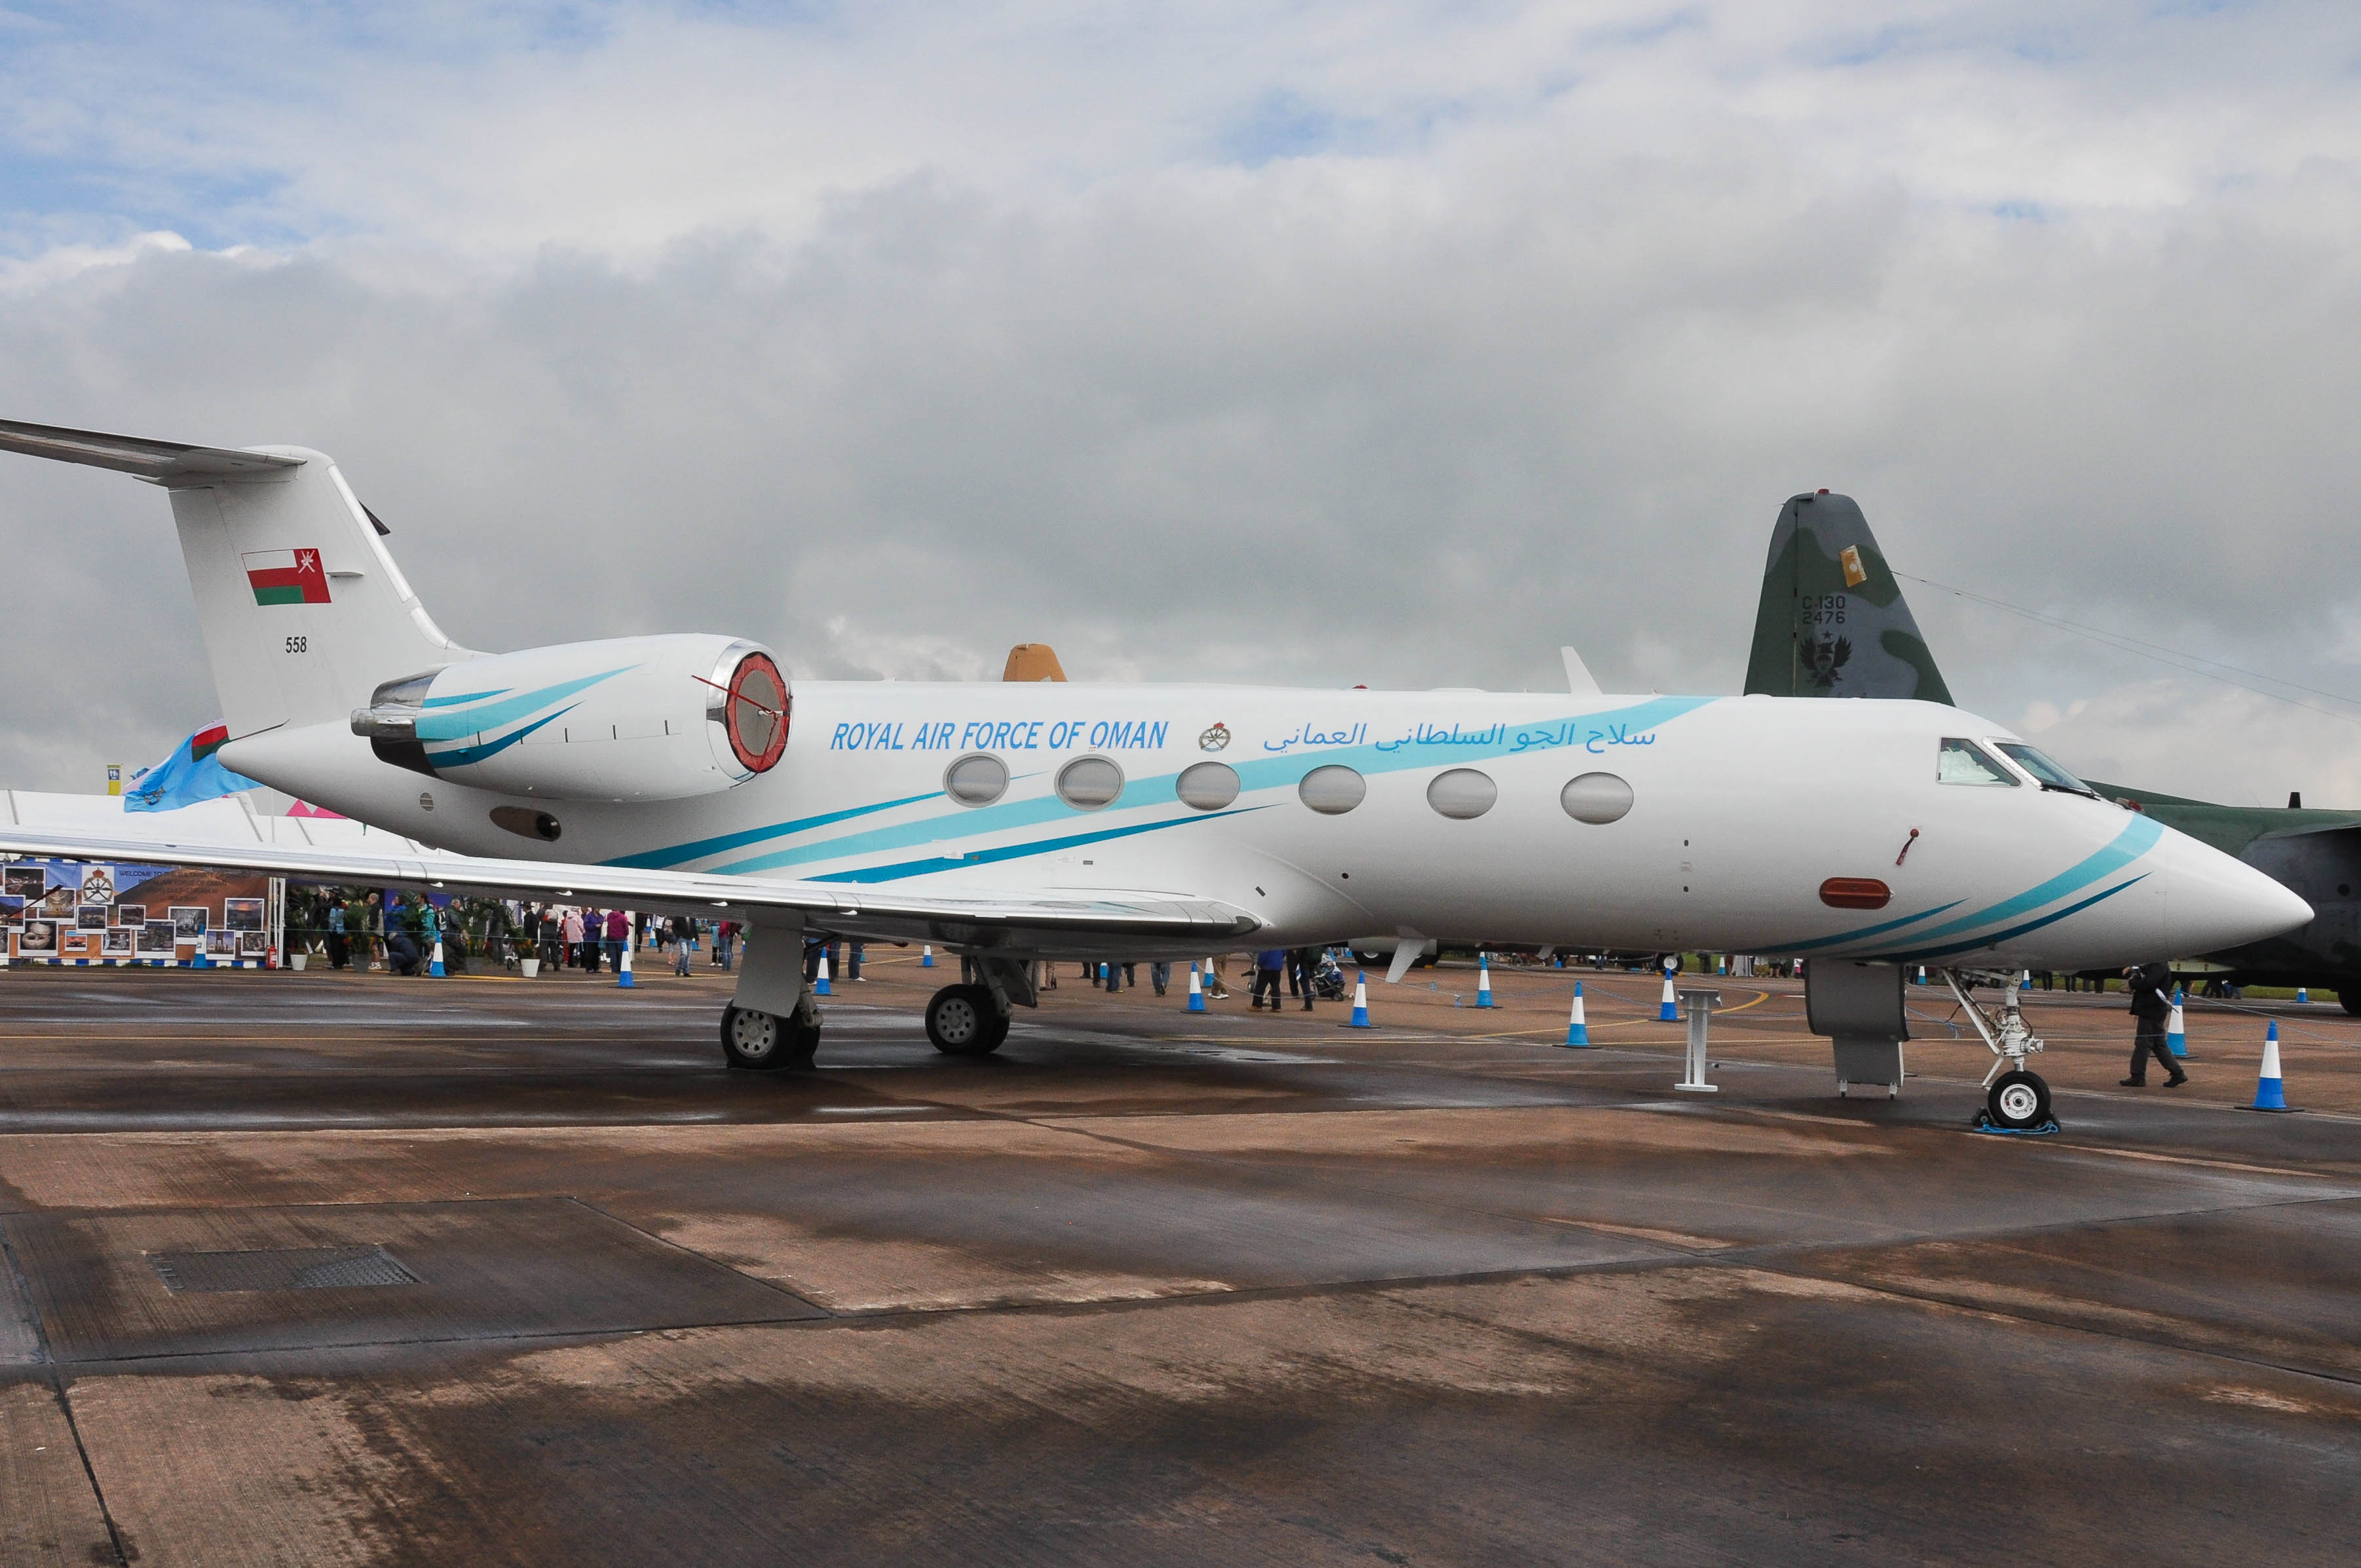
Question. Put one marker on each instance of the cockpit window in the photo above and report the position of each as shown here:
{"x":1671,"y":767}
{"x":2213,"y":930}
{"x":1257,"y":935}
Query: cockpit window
{"x":2046,"y":773}
{"x":1965,"y":762}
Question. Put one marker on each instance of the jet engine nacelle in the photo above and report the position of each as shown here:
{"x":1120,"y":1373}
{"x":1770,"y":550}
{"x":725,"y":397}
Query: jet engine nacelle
{"x":628,"y":718}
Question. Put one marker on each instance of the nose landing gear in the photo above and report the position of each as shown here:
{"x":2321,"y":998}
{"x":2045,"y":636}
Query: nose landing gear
{"x":2015,"y":1100}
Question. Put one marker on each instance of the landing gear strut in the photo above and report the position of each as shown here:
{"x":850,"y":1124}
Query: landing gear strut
{"x":966,"y":1021}
{"x":2013,"y":1097}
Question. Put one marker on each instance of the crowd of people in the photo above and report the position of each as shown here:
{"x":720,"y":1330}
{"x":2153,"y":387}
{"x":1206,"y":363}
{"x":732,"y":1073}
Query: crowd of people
{"x":370,"y":929}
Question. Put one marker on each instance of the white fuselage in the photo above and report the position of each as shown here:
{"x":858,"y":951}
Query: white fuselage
{"x":1740,"y":809}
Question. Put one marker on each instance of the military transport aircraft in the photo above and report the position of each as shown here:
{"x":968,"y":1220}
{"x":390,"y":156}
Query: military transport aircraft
{"x":1013,"y":822}
{"x":1832,"y":622}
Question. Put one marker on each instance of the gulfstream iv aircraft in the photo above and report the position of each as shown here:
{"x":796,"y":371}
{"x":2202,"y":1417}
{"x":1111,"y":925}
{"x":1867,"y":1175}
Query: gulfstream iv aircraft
{"x":1016,"y":822}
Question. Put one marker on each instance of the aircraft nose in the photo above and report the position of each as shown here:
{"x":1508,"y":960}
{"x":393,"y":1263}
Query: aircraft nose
{"x":2215,"y":901}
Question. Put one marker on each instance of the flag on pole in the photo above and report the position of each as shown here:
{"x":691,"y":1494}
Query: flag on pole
{"x":193,"y":773}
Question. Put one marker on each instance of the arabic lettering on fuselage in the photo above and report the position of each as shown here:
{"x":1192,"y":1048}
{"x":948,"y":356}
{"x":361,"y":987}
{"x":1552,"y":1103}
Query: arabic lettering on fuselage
{"x":1305,"y":735}
{"x":1594,"y":739}
{"x":1001,"y":735}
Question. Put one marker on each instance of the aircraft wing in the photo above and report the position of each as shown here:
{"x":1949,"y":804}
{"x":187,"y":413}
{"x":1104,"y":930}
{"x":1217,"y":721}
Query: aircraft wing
{"x":1081,"y":925}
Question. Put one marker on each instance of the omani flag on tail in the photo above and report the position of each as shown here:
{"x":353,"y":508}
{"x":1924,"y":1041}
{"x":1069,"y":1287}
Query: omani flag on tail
{"x":286,"y":576}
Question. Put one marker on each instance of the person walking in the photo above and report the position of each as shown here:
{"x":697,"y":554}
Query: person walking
{"x":1216,"y":983}
{"x":1303,"y":963}
{"x":337,"y":949}
{"x":682,"y":931}
{"x":2150,"y":1003}
{"x":618,"y":931}
{"x":1269,"y":963}
{"x":570,"y":933}
{"x":373,"y":929}
{"x":1160,"y":975}
{"x":725,"y":936}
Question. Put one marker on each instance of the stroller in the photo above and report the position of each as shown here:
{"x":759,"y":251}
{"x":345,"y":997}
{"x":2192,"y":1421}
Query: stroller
{"x":1328,"y":980}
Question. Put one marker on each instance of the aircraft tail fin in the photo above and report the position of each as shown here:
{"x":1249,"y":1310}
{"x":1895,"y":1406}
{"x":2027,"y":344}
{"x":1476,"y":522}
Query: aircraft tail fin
{"x":1832,"y":621}
{"x":304,"y":613}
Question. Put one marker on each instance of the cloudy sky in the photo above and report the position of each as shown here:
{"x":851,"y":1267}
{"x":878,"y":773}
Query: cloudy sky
{"x":1323,"y":344}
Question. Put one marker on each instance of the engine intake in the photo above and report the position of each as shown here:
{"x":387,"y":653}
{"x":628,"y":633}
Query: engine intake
{"x":624,"y":719}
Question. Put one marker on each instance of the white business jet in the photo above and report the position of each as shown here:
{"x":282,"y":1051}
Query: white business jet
{"x":1013,"y":822}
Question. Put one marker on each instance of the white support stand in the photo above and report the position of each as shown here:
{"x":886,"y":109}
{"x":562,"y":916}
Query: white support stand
{"x":1697,"y":1004}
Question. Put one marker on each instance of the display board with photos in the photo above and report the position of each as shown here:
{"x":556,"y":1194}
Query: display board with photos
{"x":81,"y":911}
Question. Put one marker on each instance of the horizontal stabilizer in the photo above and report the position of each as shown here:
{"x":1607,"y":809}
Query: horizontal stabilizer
{"x":166,"y":462}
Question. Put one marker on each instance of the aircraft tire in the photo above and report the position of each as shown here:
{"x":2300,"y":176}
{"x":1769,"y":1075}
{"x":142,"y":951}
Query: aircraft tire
{"x":763,"y":1042}
{"x":2018,"y":1100}
{"x":964,"y":1020}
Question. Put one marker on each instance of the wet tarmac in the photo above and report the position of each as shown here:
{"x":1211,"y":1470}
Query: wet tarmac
{"x":326,"y":1269}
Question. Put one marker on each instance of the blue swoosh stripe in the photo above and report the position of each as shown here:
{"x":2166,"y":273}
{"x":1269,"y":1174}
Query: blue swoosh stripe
{"x":461,"y":723}
{"x":657,"y":860}
{"x":461,"y":756}
{"x":1263,"y":773}
{"x":457,"y":697}
{"x":2139,"y":836}
{"x":1864,"y":931}
{"x":2015,"y":931}
{"x":1017,"y":851}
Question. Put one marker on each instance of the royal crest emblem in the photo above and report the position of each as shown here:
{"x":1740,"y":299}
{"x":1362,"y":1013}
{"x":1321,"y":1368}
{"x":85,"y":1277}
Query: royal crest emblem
{"x":1213,"y":740}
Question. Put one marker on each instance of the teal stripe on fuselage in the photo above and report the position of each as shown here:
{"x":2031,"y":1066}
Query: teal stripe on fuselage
{"x":657,"y":860}
{"x":1254,"y":773}
{"x":461,"y":756}
{"x":901,"y":869}
{"x":1916,"y":956}
{"x":2141,"y":835}
{"x":456,"y":698}
{"x":459,"y":723}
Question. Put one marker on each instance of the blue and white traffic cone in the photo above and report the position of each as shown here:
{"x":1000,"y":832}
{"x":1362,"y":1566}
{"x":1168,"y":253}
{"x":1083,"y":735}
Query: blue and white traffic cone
{"x":1196,"y":990}
{"x":1483,"y":980}
{"x":1577,"y":1030}
{"x":2175,"y":1039}
{"x":2303,"y":997}
{"x":927,"y":956}
{"x":819,"y":986}
{"x":1922,"y":975}
{"x":2271,"y":1094}
{"x":197,"y":960}
{"x":1667,"y":1013}
{"x":623,"y":969}
{"x":434,"y":965}
{"x":1361,"y":1002}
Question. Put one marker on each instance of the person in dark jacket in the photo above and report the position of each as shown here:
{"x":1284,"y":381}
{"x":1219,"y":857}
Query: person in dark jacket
{"x":2150,"y":986}
{"x":1267,"y":965}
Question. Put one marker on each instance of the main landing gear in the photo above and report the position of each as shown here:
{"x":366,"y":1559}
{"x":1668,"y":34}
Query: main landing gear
{"x":2014,"y":1098}
{"x":764,"y":1041}
{"x":966,"y":1021}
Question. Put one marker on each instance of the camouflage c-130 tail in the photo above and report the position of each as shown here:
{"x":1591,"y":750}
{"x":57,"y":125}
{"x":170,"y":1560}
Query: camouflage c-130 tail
{"x":1832,"y":621}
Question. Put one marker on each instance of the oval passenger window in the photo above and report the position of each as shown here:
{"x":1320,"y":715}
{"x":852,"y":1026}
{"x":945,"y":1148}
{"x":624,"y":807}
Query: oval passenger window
{"x":1333,"y":790}
{"x":978,"y":780}
{"x":1208,"y":786}
{"x":1855,"y":893}
{"x":1596,"y":797}
{"x":1086,"y":784}
{"x":1463,"y":793}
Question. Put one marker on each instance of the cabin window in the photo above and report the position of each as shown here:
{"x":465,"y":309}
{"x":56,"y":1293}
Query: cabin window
{"x":1965,"y":762}
{"x":1597,"y":798}
{"x":1208,"y":786}
{"x":977,"y":780}
{"x":1462,"y":794}
{"x":1333,"y":790}
{"x":1088,"y":784}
